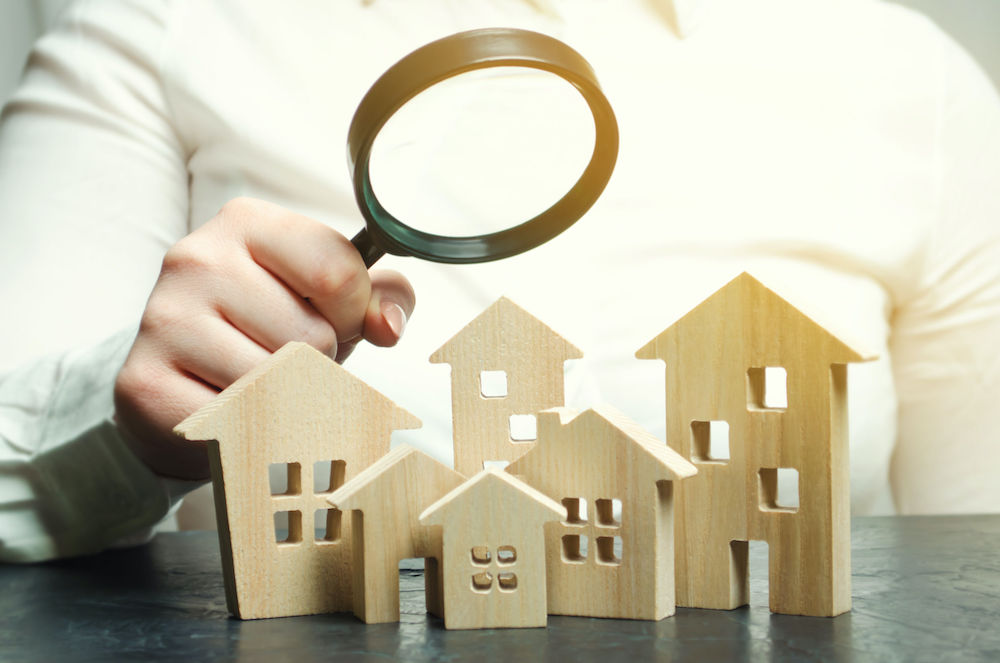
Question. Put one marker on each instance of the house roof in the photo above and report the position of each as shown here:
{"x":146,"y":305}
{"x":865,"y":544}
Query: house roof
{"x":291,"y":374}
{"x":574,"y":428}
{"x":403,"y":463}
{"x":746,"y":298}
{"x":494,"y":495}
{"x":504,"y":329}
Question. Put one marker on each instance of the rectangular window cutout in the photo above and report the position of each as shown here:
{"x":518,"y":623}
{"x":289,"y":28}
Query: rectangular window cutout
{"x":482,"y":582}
{"x":328,"y":476}
{"x":326,"y":523}
{"x":481,"y":555}
{"x":767,"y":388}
{"x":293,"y":534}
{"x":507,"y":582}
{"x":606,"y":546}
{"x":574,"y":549}
{"x":506,"y":555}
{"x":493,"y":384}
{"x":497,"y":464}
{"x":523,"y":428}
{"x":710,"y":442}
{"x":609,"y":512}
{"x":576,"y":510}
{"x":285,"y":478}
{"x":778,"y":489}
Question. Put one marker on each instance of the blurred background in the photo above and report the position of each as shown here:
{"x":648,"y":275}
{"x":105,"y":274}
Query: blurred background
{"x":973,"y":23}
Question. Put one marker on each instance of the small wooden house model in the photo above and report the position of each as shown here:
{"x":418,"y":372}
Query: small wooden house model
{"x":303,"y":411}
{"x":385,"y":501}
{"x":613,"y":555}
{"x":725,"y":360}
{"x":493,"y":551}
{"x":506,"y":366}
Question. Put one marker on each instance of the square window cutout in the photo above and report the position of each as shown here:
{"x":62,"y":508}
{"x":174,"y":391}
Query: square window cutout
{"x":482,"y":582}
{"x":506,"y":555}
{"x":767,"y":388}
{"x":609,"y":512}
{"x":285,"y":478}
{"x":607,"y":546}
{"x":293,"y":534}
{"x":709,"y":441}
{"x":326,"y":523}
{"x":778,"y":489}
{"x":576,"y":510}
{"x":493,"y":384}
{"x":481,"y":555}
{"x":574,"y":549}
{"x":506,"y":581}
{"x":523,"y":428}
{"x":328,"y":476}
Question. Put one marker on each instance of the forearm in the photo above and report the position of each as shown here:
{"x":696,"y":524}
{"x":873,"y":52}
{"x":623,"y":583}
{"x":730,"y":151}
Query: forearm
{"x":68,"y":483}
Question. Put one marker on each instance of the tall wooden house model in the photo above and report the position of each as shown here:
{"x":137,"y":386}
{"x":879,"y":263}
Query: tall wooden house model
{"x":722,"y":362}
{"x":506,"y":366}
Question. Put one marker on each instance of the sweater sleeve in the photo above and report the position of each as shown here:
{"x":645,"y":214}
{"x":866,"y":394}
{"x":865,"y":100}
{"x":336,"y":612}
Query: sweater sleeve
{"x":945,"y":336}
{"x":93,"y":190}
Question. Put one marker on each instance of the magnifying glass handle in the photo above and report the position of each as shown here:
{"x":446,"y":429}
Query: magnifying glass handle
{"x":366,"y":247}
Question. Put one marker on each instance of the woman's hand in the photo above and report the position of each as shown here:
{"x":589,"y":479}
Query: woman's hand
{"x":229,"y":294}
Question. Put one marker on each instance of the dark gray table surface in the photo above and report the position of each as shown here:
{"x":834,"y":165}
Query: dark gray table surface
{"x":925,"y":589}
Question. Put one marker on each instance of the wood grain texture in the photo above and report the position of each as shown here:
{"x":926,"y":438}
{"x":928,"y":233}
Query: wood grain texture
{"x":601,"y":456}
{"x":506,"y":338}
{"x":715,"y":356}
{"x":385,"y":501}
{"x":298,"y":408}
{"x":493,"y":551}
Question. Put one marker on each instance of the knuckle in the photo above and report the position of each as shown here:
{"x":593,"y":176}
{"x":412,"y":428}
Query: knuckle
{"x":339,"y":283}
{"x":238,"y":208}
{"x":161,"y":314}
{"x":186,"y":255}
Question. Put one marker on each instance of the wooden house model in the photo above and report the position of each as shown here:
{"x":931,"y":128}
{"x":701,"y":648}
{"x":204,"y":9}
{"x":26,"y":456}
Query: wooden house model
{"x":385,"y":502}
{"x":493,"y":551}
{"x":506,"y":366}
{"x":303,"y":411}
{"x":613,"y":555}
{"x":725,"y":360}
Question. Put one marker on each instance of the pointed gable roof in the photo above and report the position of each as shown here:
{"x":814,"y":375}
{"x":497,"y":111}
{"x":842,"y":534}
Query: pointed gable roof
{"x":377,"y":481}
{"x":303,"y":377}
{"x":495,"y":496}
{"x":746,"y":299}
{"x":561,"y":439}
{"x":503,"y":330}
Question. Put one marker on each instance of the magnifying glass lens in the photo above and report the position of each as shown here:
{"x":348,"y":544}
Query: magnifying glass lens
{"x":433,"y":64}
{"x":482,"y":151}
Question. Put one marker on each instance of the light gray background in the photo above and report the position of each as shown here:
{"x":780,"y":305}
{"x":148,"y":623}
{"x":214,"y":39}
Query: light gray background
{"x":973,"y":23}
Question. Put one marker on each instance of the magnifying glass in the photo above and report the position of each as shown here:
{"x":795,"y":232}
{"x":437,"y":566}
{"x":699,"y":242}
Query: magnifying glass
{"x":443,"y":59}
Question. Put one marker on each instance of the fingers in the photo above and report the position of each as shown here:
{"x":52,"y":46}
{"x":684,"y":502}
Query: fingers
{"x":218,"y":355}
{"x":269,"y":312}
{"x":237,"y":289}
{"x":389,"y":308}
{"x":317,"y":263}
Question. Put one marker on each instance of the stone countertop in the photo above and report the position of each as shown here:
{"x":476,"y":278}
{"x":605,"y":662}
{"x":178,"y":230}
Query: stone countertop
{"x":924,"y":589}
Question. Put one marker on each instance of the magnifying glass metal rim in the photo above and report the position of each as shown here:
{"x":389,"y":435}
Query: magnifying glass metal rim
{"x":445,"y":58}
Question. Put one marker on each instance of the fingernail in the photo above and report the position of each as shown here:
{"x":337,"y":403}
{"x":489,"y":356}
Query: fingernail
{"x":395,"y":317}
